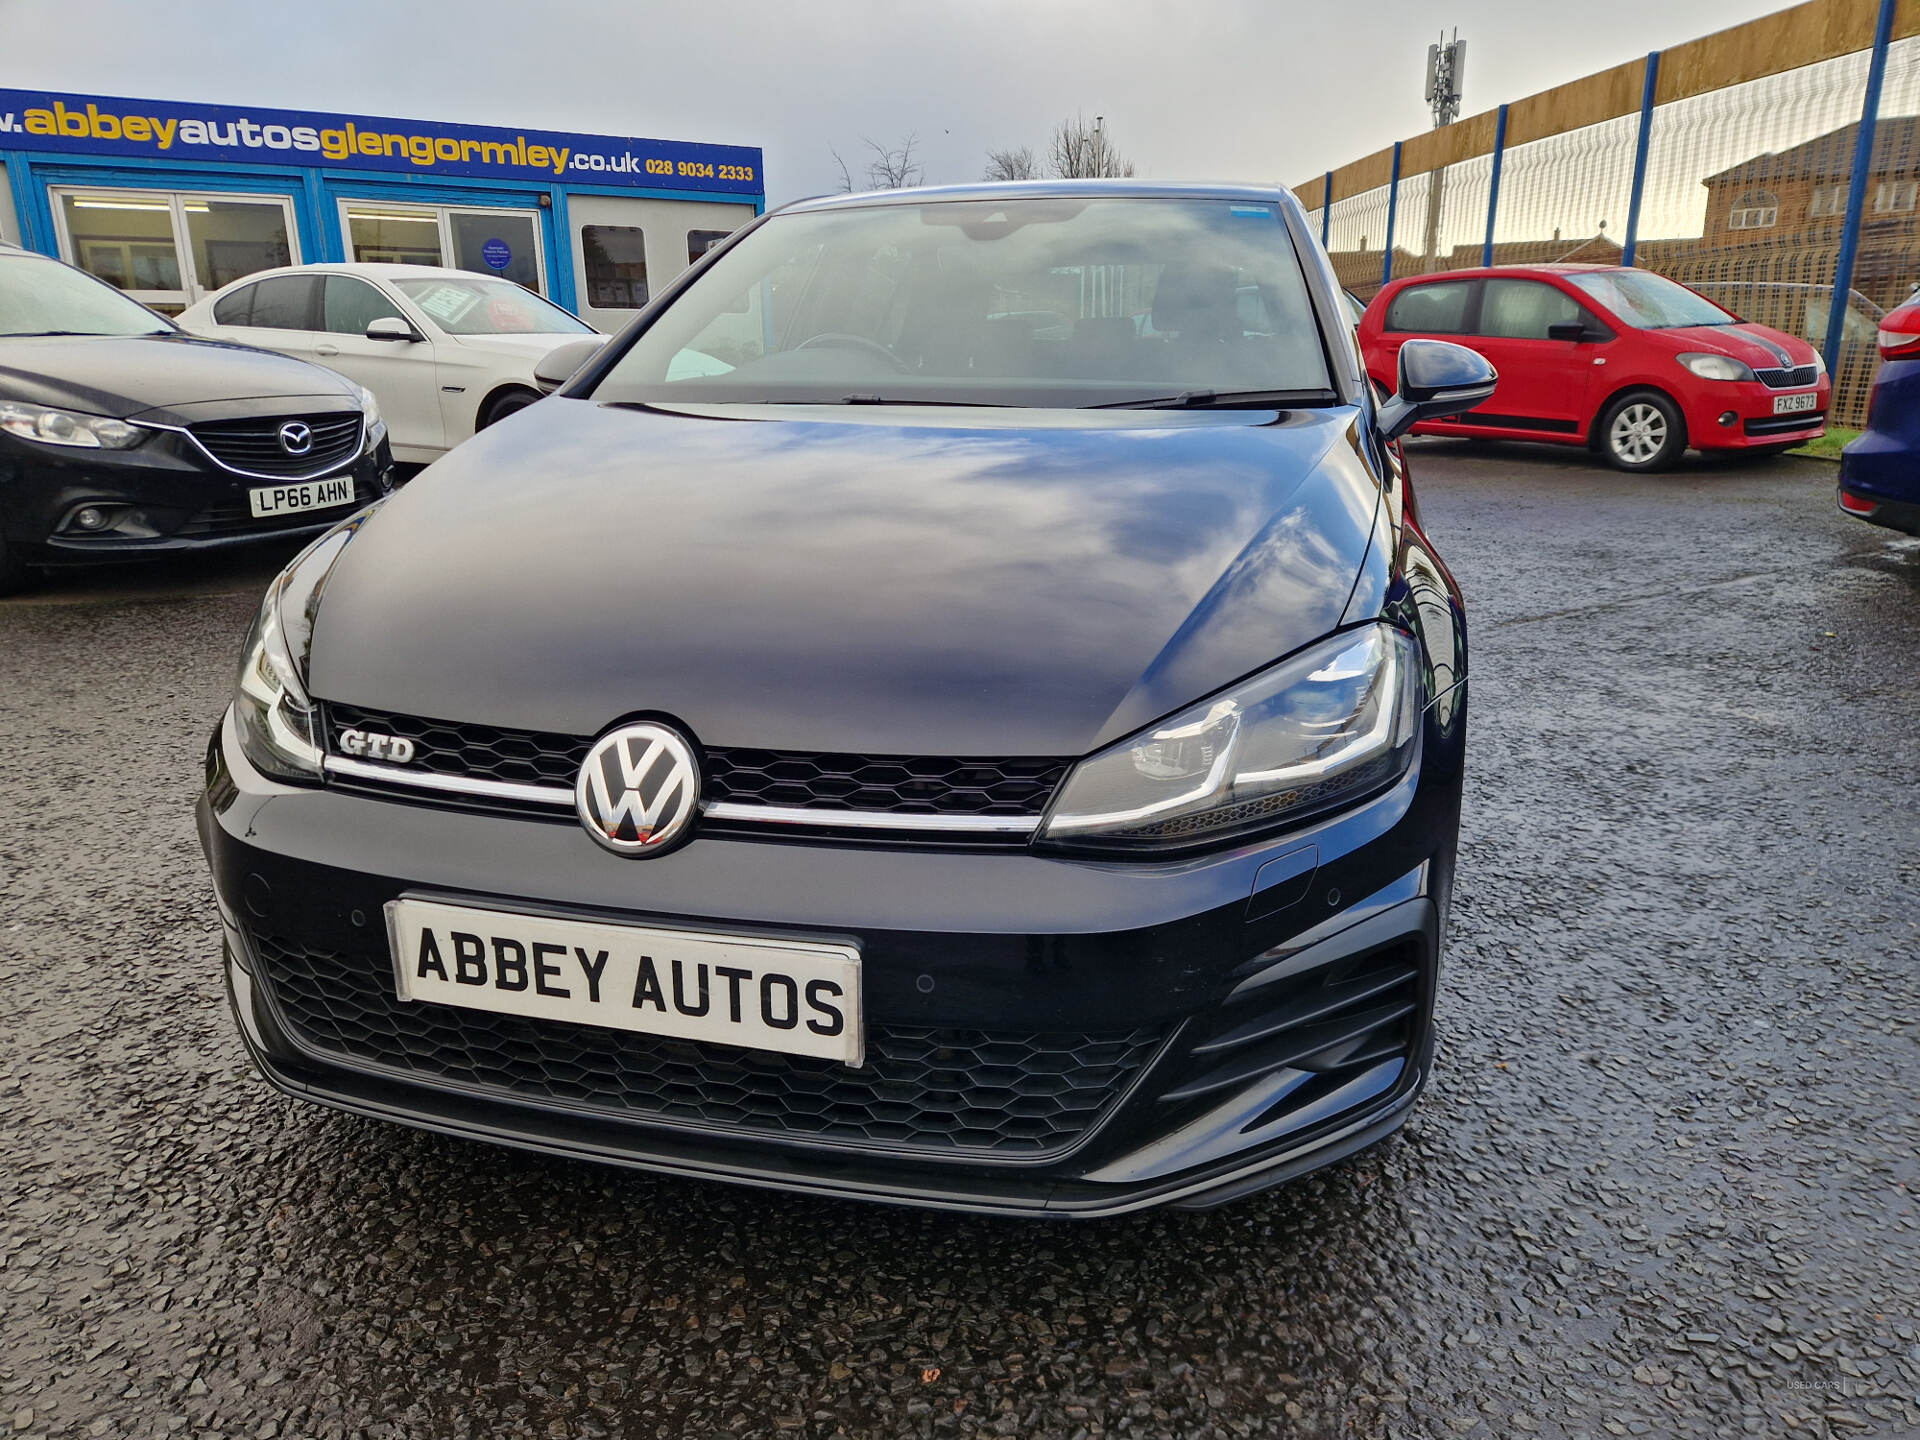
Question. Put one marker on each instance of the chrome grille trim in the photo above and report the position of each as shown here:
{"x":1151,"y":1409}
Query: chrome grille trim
{"x":332,"y":467}
{"x":772,"y":815}
{"x":820,"y":818}
{"x":450,"y":784}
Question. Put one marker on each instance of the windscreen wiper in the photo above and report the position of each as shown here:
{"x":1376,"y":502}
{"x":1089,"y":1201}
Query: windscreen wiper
{"x":1223,"y":399}
{"x":897,"y":400}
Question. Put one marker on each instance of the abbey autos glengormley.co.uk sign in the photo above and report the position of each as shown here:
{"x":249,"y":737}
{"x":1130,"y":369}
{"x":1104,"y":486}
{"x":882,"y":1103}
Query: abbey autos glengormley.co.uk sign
{"x":34,"y":120}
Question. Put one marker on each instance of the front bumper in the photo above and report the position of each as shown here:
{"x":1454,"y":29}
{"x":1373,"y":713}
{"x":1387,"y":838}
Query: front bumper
{"x":164,"y":498}
{"x":1754,"y":425}
{"x":1276,"y":1027}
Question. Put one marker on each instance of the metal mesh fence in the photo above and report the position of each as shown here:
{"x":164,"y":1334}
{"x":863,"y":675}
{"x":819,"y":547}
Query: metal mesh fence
{"x":1745,"y":197}
{"x":1357,"y":237}
{"x":1445,"y":227}
{"x":1566,"y":197}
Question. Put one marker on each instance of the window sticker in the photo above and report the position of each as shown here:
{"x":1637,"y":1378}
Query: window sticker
{"x":447,"y":303}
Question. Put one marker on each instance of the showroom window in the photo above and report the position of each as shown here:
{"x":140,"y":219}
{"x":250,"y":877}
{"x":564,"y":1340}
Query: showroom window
{"x":488,"y":242}
{"x":615,"y":260}
{"x":167,"y":250}
{"x":701,"y":241}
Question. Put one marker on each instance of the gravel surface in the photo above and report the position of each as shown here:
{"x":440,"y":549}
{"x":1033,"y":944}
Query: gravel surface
{"x":1664,"y":1183}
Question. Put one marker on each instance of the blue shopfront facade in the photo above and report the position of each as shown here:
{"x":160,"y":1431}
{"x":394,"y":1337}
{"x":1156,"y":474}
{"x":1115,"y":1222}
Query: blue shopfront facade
{"x":170,"y":200}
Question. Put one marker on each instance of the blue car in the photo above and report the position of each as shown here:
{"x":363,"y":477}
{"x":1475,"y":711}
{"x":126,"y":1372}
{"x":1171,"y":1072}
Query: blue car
{"x":1880,"y":472}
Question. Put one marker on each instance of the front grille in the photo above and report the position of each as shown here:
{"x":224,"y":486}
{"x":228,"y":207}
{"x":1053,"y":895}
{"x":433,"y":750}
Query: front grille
{"x":254,"y":445}
{"x":1789,"y":377}
{"x":909,"y":785}
{"x":886,"y":784}
{"x":1016,"y":1096}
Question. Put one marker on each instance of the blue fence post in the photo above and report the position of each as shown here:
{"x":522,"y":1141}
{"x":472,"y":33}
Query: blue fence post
{"x":1393,"y":204}
{"x":1493,"y":189}
{"x":1326,"y":207}
{"x":1640,"y":157}
{"x":1857,"y":187}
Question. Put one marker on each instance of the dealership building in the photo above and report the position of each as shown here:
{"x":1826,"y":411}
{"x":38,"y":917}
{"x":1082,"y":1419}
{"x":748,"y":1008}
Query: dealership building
{"x":170,"y":201}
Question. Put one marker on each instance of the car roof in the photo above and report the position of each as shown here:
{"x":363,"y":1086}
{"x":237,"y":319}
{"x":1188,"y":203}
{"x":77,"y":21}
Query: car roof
{"x":1130,"y":189}
{"x":370,"y":270}
{"x":1477,"y":272}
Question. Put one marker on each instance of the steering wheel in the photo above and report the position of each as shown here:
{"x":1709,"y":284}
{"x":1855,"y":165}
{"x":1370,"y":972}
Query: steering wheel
{"x":843,"y":341}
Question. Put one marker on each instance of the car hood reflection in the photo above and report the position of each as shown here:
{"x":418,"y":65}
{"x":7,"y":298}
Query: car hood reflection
{"x":945,"y":582}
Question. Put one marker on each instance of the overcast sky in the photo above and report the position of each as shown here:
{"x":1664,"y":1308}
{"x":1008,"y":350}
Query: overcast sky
{"x":1191,"y":89}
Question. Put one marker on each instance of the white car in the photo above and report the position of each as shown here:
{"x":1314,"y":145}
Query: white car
{"x":446,"y":352}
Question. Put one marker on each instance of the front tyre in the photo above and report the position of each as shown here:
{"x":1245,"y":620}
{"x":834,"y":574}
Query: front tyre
{"x":1642,"y":430}
{"x":505,"y":404}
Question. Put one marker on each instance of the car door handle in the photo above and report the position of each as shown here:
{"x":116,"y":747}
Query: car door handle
{"x":326,"y":349}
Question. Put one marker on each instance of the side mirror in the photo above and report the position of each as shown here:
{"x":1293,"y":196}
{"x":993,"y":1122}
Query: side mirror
{"x":558,"y":365}
{"x":1437,"y":381}
{"x":392,"y":327}
{"x":1573,"y":330}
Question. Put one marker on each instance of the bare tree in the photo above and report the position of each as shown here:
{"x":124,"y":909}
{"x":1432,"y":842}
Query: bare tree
{"x":846,"y":180}
{"x":891,"y":168}
{"x":1018,"y":163}
{"x":1079,"y":151}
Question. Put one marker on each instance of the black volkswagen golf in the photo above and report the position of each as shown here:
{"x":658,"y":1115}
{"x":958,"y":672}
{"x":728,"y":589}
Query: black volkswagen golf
{"x":954,"y":706}
{"x":122,"y":436}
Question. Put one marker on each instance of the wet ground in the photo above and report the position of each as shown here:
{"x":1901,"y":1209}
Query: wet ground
{"x":1665,"y":1183}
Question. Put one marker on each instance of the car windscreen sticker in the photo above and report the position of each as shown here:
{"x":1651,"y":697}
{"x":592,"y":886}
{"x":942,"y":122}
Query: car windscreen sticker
{"x":447,"y":303}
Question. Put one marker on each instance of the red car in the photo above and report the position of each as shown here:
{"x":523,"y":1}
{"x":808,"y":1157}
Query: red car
{"x":1622,"y":360}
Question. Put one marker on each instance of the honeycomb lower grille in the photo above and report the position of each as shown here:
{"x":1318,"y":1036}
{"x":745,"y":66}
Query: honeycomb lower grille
{"x":889,"y":784}
{"x":962,"y":1092}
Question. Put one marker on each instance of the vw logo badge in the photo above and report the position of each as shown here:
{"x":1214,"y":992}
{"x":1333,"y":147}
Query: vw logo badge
{"x":638,"y":788}
{"x":296,"y":437}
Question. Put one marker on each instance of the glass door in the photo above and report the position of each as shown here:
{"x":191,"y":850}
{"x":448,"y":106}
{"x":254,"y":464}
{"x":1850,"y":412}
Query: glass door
{"x":484,"y":240}
{"x":167,"y":250}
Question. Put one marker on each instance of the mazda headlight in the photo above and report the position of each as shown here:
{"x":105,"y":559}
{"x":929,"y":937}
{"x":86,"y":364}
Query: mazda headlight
{"x":370,"y":408}
{"x":1314,"y":732}
{"x":1716,"y":367}
{"x":68,"y":427}
{"x":277,"y":724}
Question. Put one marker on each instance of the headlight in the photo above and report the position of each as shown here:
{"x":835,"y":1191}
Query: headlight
{"x":276,"y":722}
{"x":1819,"y":364}
{"x":374,"y":427}
{"x":1716,"y":367}
{"x":67,"y":427}
{"x":1313,"y":732}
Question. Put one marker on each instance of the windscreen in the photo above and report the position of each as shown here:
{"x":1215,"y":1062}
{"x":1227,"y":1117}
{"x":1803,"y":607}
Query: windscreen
{"x":1028,"y":302}
{"x":40,"y":297}
{"x":1650,"y":302}
{"x":488,"y":307}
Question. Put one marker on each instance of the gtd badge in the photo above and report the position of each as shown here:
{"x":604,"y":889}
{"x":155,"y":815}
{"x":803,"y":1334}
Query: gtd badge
{"x":364,"y":744}
{"x":638,"y":788}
